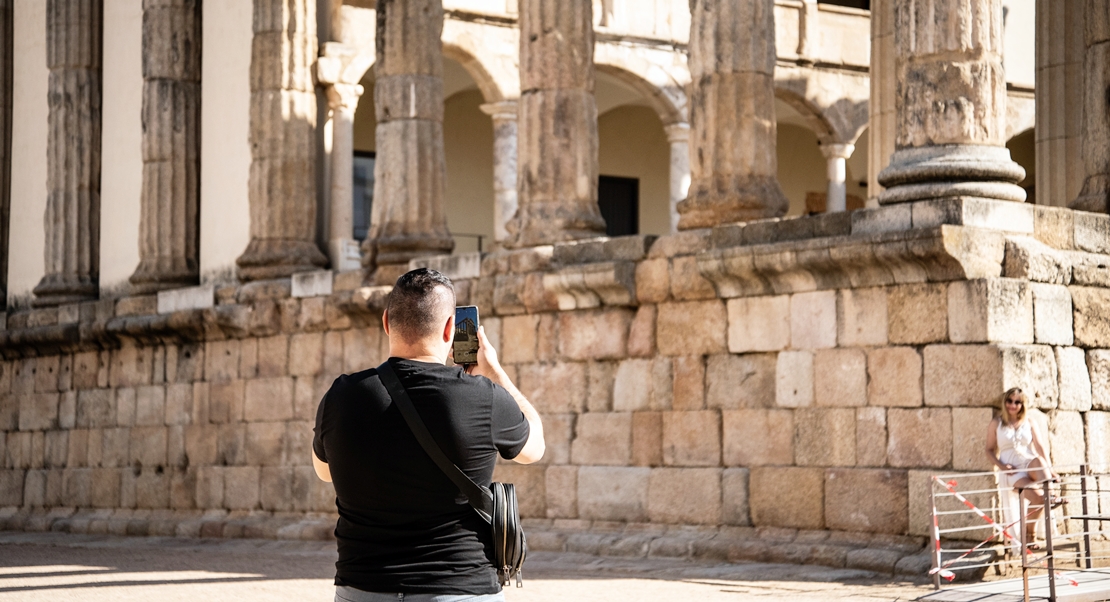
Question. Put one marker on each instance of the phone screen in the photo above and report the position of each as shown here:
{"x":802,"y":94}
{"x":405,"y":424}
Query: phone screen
{"x":466,"y":335}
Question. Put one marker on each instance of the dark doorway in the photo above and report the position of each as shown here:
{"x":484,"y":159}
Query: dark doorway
{"x":362,"y":192}
{"x":864,"y":4}
{"x":619,"y":200}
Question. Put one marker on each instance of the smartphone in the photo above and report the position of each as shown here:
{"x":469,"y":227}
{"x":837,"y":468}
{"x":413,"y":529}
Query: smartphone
{"x":465,"y":349}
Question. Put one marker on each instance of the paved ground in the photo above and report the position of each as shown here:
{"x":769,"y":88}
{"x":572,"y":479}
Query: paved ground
{"x":56,"y":566}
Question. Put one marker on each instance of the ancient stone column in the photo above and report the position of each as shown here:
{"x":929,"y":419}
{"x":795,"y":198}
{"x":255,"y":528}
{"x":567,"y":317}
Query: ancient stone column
{"x":6,"y":19}
{"x":169,"y":252}
{"x":733,"y":167}
{"x":1061,"y":46}
{"x":1095,"y":195}
{"x":557,"y":148}
{"x":951,"y":104}
{"x":504,"y":165}
{"x":408,"y":218}
{"x":343,"y":249}
{"x":72,"y":220}
{"x":678,"y":136}
{"x":283,"y":142}
{"x":881,"y":129}
{"x":836,"y":154}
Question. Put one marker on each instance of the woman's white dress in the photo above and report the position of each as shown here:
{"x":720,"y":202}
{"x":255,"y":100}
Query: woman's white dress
{"x":1015,"y":447}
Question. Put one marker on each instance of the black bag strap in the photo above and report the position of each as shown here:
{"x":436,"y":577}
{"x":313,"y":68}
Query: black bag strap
{"x":479,"y":497}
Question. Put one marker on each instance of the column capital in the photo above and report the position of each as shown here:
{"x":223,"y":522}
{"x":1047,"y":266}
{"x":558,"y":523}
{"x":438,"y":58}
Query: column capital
{"x":837,"y":150}
{"x":344,"y":96}
{"x":503,"y":110}
{"x":677,"y":132}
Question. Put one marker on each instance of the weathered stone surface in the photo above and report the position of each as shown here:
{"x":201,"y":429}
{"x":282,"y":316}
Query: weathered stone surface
{"x":794,"y":379}
{"x":555,"y":388}
{"x":601,"y":378}
{"x":866,"y":500}
{"x":871,"y":437}
{"x":734,"y":497}
{"x":918,"y":313}
{"x":306,"y":354}
{"x":758,"y":324}
{"x":632,"y":388}
{"x":741,"y":381}
{"x":1098,"y":441}
{"x":150,"y":406}
{"x":1098,"y":366}
{"x":613,"y":493}
{"x":241,"y":487}
{"x":757,"y":437}
{"x":685,"y":496}
{"x":691,"y":328}
{"x":641,"y":333}
{"x":969,"y":438}
{"x":265,"y":443}
{"x":686,"y":281}
{"x":1075,"y":380}
{"x":561,"y":486}
{"x":919,"y":438}
{"x":95,"y":408}
{"x":688,"y":389}
{"x":813,"y":320}
{"x":990,"y":310}
{"x":38,"y":411}
{"x":530,"y":484}
{"x":840,"y":377}
{"x":268,"y":399}
{"x":520,"y":338}
{"x":962,"y":375}
{"x":597,"y":334}
{"x":861,"y":317}
{"x":1091,"y":316}
{"x":1052,"y":314}
{"x":692,"y":438}
{"x":653,"y":280}
{"x":602,"y":439}
{"x":825,"y":437}
{"x":1066,"y":438}
{"x":647,"y":438}
{"x":788,"y":496}
{"x":894,"y":377}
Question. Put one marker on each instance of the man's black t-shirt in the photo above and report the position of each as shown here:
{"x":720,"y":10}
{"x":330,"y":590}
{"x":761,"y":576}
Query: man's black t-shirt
{"x":403,"y":525}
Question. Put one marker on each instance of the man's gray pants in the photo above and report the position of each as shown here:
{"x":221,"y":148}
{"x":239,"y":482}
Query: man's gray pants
{"x":350,"y":594}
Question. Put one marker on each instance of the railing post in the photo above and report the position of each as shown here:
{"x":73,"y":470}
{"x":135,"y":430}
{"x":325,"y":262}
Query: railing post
{"x":1086,"y":522}
{"x":1024,"y":545}
{"x":1047,"y":511}
{"x":936,"y":533}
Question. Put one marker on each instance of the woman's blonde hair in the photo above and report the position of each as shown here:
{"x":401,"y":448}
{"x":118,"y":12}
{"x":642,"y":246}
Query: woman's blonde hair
{"x":1024,"y":404}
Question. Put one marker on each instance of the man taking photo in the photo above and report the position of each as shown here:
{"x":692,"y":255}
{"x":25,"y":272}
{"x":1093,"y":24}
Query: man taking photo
{"x":405,"y":531}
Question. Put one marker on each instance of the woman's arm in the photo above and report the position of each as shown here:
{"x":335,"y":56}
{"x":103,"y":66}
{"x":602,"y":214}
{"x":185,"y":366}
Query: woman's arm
{"x":992,"y":445}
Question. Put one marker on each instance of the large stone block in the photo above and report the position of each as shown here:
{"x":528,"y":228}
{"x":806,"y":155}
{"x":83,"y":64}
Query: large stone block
{"x":685,"y":496}
{"x":558,"y":430}
{"x":152,"y":489}
{"x":871,"y":436}
{"x":794,"y":379}
{"x":692,"y":438}
{"x":1052,"y":314}
{"x":150,"y":406}
{"x":787,"y":496}
{"x":647,"y":438}
{"x":519,"y":333}
{"x":600,"y":380}
{"x":105,"y":487}
{"x":632,"y":387}
{"x":46,"y":374}
{"x":652,"y":280}
{"x":613,"y":493}
{"x":265,"y":443}
{"x":530,"y":485}
{"x":894,"y":377}
{"x":741,"y":381}
{"x":1090,"y":316}
{"x":688,"y":389}
{"x":757,"y":437}
{"x":641,"y":333}
{"x":840,"y":377}
{"x":1098,"y":441}
{"x":825,"y":437}
{"x":603,"y":439}
{"x":990,"y":310}
{"x":555,"y":388}
{"x":1074,"y":380}
{"x":691,"y":328}
{"x":221,"y":360}
{"x":866,"y":500}
{"x":210,"y":487}
{"x":241,"y":487}
{"x":758,"y":324}
{"x":687,"y":283}
{"x":813,"y":320}
{"x":662,"y":383}
{"x":268,"y":399}
{"x":225,"y":401}
{"x":306,"y":354}
{"x":38,"y":411}
{"x":969,"y":438}
{"x":55,"y":448}
{"x":1066,"y":438}
{"x":201,"y":444}
{"x":734,"y":497}
{"x":918,"y":313}
{"x":1098,"y":367}
{"x":88,"y":368}
{"x":361,"y":349}
{"x":561,"y":487}
{"x":131,"y":366}
{"x":115,"y":447}
{"x":179,"y":404}
{"x":148,"y":446}
{"x":95,"y":408}
{"x":861,"y":317}
{"x":275,"y":488}
{"x":1033,"y":368}
{"x":962,"y":375}
{"x":11,"y":487}
{"x":919,"y":437}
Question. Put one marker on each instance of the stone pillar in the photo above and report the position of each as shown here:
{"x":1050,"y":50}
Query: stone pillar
{"x":951,"y":104}
{"x":1095,"y":195}
{"x":343,"y":249}
{"x":6,"y":19}
{"x":283,"y":142}
{"x":72,"y":220}
{"x":557,"y":149}
{"x":837,"y":154}
{"x":169,"y":252}
{"x":504,"y":165}
{"x":1061,"y":46}
{"x":408,"y":218}
{"x":733,"y":166}
{"x":882,"y":126}
{"x":678,"y":135}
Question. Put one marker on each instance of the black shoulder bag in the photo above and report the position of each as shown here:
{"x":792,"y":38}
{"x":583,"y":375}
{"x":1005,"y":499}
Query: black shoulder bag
{"x":497,"y":505}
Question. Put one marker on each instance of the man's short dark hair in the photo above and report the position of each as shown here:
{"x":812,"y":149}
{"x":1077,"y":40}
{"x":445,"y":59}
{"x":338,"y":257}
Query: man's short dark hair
{"x":415,"y":303}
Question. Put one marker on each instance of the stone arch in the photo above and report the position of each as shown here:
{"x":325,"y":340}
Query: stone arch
{"x":664,"y":93}
{"x":479,"y":72}
{"x":837,"y":102}
{"x":810,"y":112}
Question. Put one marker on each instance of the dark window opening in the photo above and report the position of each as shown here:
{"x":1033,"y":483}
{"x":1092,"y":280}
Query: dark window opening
{"x":362,"y":192}
{"x":863,"y":4}
{"x":619,"y":200}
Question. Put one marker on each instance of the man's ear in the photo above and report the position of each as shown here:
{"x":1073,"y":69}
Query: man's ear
{"x":449,"y":329}
{"x":385,"y":322}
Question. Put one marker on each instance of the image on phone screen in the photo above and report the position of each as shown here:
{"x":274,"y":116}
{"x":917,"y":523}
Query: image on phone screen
{"x":466,"y":335}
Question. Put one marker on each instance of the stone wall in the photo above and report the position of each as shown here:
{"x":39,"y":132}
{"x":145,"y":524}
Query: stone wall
{"x":805,"y":373}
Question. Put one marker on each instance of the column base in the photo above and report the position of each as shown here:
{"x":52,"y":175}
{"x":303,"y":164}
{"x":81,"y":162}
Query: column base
{"x":266,"y":259}
{"x":399,"y":250}
{"x":1095,"y":196}
{"x":59,"y":289}
{"x":549,"y":223}
{"x":344,"y":254}
{"x":733,"y":200}
{"x":951,"y":170}
{"x":152,"y":276}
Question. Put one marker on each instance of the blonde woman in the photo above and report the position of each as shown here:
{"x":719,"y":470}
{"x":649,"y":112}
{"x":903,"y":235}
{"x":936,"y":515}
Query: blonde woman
{"x":1014,"y":443}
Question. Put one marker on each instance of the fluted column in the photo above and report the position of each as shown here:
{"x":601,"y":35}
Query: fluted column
{"x":1061,"y":45}
{"x":168,"y":229}
{"x":6,"y":19}
{"x":733,"y":166}
{"x":836,"y":155}
{"x":72,"y":220}
{"x":504,"y":165}
{"x":408,"y":217}
{"x":557,"y":128}
{"x":678,"y":136}
{"x":343,"y":249}
{"x":881,"y":129}
{"x":282,"y":185}
{"x":1095,"y":195}
{"x":951,"y":104}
